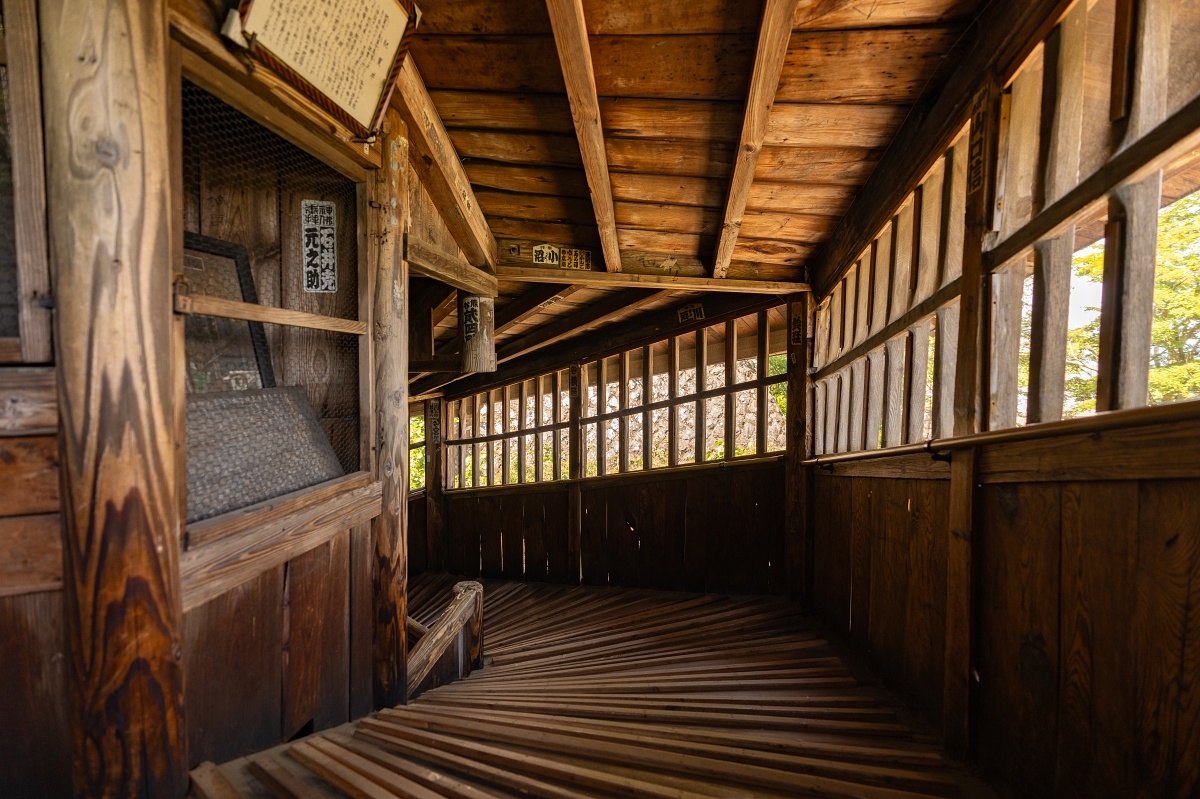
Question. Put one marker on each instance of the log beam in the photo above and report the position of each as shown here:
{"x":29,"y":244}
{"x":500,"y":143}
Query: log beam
{"x":111,"y":243}
{"x":389,"y":570}
{"x":774,"y":34}
{"x":534,"y":274}
{"x":570,"y":37}
{"x":426,"y":260}
{"x":436,"y":163}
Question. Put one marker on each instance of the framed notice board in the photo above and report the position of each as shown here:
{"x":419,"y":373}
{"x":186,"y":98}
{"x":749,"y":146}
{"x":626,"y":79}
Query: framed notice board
{"x":343,"y":54}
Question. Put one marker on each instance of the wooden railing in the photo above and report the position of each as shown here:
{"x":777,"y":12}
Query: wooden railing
{"x":453,"y":646}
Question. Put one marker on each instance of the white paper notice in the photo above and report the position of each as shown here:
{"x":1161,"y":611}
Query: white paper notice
{"x":344,"y":49}
{"x":318,"y":227}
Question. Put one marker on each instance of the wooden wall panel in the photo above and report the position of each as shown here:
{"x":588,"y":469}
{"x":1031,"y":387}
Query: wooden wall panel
{"x":35,"y":745}
{"x":533,"y":527}
{"x":1018,"y":633}
{"x":925,"y":628}
{"x":418,"y":535}
{"x":831,"y":551}
{"x":488,"y":522}
{"x":890,"y":544}
{"x":29,"y":474}
{"x":316,"y":638}
{"x":677,"y":532}
{"x":231,"y":661}
{"x":512,"y":537}
{"x":555,"y":534}
{"x":593,"y":536}
{"x":362,"y":618}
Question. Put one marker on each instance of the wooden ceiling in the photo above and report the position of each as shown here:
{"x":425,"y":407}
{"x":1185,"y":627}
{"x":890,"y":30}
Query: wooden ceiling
{"x":672,"y":78}
{"x":674,"y":82}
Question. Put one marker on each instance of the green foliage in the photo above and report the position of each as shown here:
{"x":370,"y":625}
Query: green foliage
{"x":1175,"y":332}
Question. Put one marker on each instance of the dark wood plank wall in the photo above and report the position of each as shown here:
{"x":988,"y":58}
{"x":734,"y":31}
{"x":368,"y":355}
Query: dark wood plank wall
{"x":713,"y":529}
{"x":1086,"y":589}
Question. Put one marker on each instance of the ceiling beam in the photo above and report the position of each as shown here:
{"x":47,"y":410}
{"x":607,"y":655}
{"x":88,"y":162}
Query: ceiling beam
{"x":433,"y":157}
{"x":647,"y":329}
{"x":551,"y":333}
{"x":773,"y":36}
{"x":570,"y":37}
{"x":425,"y":260}
{"x":534,"y":274}
{"x":1004,"y":34}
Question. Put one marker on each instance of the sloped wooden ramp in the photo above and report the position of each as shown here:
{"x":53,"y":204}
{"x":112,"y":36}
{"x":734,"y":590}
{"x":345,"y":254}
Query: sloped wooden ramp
{"x":610,"y":692}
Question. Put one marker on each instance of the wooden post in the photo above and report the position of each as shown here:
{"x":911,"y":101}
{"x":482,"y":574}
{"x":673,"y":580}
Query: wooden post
{"x":796,"y":546}
{"x":435,"y":478}
{"x":390,"y":332}
{"x":574,"y":472}
{"x":956,"y":726}
{"x":970,"y":387}
{"x":111,"y":243}
{"x":476,"y":331}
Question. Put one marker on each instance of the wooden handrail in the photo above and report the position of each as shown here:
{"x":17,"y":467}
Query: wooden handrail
{"x":250,"y":312}
{"x":460,"y":626}
{"x":1109,"y":420}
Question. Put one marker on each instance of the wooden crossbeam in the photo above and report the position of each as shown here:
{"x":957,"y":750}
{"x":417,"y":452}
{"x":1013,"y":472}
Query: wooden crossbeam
{"x":433,"y":157}
{"x":773,"y":36}
{"x":428,"y":261}
{"x":570,"y":37}
{"x":533,"y":274}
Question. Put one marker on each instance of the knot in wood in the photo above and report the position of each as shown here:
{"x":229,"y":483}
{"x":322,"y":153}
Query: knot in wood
{"x":108,"y":152}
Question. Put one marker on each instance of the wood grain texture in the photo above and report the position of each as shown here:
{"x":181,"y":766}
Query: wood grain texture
{"x":29,"y":472}
{"x":104,"y":92}
{"x":771,"y":49}
{"x":231,"y":309}
{"x":390,"y":566}
{"x":231,"y":656}
{"x":32,"y":550}
{"x":1019,"y":634}
{"x":434,"y":158}
{"x":961,"y":590}
{"x":28,"y":179}
{"x":575,"y":59}
{"x":36,"y":740}
{"x":427,"y":260}
{"x":209,"y":571}
{"x":316,"y":636}
{"x":28,"y":401}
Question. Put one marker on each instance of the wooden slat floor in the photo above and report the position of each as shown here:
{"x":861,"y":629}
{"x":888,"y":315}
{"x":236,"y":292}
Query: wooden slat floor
{"x":611,"y":692}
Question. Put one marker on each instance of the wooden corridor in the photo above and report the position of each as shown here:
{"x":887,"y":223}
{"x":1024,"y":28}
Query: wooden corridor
{"x":605,"y":692}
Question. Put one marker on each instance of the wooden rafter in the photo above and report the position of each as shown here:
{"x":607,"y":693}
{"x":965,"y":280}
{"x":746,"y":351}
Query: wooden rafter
{"x":635,"y":279}
{"x":570,"y":37}
{"x":436,"y":163}
{"x":429,"y":261}
{"x":773,"y":37}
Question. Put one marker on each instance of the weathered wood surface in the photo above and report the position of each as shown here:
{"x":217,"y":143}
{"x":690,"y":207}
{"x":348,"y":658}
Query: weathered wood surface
{"x":773,"y":38}
{"x":476,"y":333}
{"x":575,"y":58}
{"x":28,"y":178}
{"x":390,"y":566}
{"x":452,"y":647}
{"x":232,"y":309}
{"x":28,"y":401}
{"x":441,"y":173}
{"x":427,"y":260}
{"x":30,"y":554}
{"x":635,"y":280}
{"x":595,"y":691}
{"x":105,"y":94}
{"x":658,"y":529}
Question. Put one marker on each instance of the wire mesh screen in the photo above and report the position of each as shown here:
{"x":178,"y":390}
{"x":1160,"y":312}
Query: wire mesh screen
{"x":266,"y":223}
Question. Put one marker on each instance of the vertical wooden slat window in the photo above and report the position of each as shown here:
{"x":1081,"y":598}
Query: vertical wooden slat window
{"x":676,"y":401}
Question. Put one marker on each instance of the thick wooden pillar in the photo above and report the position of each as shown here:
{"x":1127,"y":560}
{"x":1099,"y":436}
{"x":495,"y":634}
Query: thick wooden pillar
{"x":435,"y":477}
{"x":390,"y":331}
{"x":477,"y":332}
{"x":104,"y":72}
{"x":796,"y":547}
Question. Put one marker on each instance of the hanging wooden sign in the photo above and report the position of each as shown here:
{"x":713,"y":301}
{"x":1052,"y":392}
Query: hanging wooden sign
{"x":343,"y":55}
